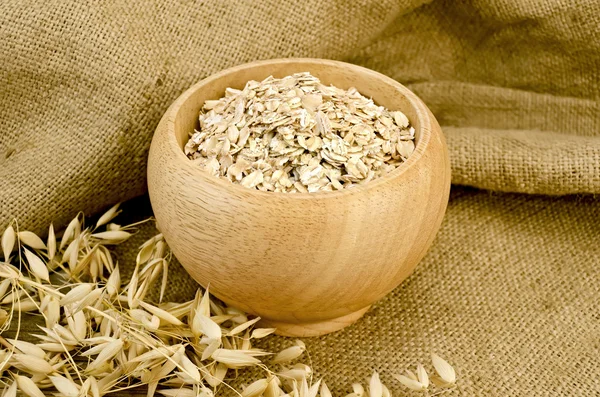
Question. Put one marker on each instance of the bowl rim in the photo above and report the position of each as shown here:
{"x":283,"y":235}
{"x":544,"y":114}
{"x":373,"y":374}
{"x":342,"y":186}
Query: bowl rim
{"x":425,"y":129}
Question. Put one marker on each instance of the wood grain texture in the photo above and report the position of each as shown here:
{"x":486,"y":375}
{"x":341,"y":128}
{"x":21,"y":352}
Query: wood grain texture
{"x":307,"y":263}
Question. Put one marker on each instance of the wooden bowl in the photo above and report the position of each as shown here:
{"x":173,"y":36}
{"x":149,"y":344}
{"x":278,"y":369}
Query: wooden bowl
{"x":307,"y":263}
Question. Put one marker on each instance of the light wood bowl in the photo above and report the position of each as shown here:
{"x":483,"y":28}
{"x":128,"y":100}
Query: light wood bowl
{"x":309,"y":263}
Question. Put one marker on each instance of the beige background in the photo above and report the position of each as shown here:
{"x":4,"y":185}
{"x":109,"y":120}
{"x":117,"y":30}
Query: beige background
{"x":509,"y":292}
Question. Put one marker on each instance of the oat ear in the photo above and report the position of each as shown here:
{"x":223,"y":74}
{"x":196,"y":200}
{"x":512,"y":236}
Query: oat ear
{"x":125,"y":338}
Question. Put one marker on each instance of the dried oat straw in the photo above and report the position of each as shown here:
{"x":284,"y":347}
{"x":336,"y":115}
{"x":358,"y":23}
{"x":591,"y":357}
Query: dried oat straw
{"x":102,"y":335}
{"x":297,"y":135}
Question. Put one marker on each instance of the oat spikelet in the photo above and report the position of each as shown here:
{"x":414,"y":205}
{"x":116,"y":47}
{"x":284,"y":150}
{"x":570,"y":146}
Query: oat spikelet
{"x":113,"y":284}
{"x":210,"y":349}
{"x":258,"y":333}
{"x":314,"y":389}
{"x":256,"y":388}
{"x":10,"y":391}
{"x":157,"y":353}
{"x":163,"y":284}
{"x":93,"y":297}
{"x":273,"y":389}
{"x":72,"y":230}
{"x":444,"y":370}
{"x":28,"y":386}
{"x":375,"y":386}
{"x":289,"y":354}
{"x":324,"y":392}
{"x":106,"y":354}
{"x":108,"y":216}
{"x":422,"y":376}
{"x":204,"y":304}
{"x":358,"y":389}
{"x":37,"y":266}
{"x":77,"y":325}
{"x":132,"y":289}
{"x":77,"y":293}
{"x":203,"y":325}
{"x":4,"y":286}
{"x":8,"y":242}
{"x":27,"y":348}
{"x":297,"y":373}
{"x":112,"y":236}
{"x":409,"y":382}
{"x":242,"y":327}
{"x":65,"y":386}
{"x":33,"y":364}
{"x":70,"y":254}
{"x":190,"y":369}
{"x":32,"y":240}
{"x":51,"y":310}
{"x":160,"y":313}
{"x":181,"y":392}
{"x":51,"y":242}
{"x":234,"y":359}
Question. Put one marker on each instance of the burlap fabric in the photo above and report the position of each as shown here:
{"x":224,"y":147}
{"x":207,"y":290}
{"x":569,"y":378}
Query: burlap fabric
{"x":509,"y":292}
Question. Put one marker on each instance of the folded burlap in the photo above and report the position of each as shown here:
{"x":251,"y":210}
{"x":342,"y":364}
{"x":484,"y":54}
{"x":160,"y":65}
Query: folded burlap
{"x":509,"y":292}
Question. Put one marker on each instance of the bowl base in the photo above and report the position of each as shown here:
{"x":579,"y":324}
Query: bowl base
{"x":313,"y":329}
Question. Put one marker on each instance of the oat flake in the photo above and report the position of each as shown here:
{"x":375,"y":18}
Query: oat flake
{"x":297,"y":135}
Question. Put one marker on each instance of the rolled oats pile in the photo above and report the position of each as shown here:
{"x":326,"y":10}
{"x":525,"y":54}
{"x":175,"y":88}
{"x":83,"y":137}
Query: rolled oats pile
{"x":297,"y":135}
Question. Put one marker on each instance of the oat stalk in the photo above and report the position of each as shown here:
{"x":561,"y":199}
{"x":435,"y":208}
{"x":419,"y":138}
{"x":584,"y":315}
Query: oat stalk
{"x":100,"y":335}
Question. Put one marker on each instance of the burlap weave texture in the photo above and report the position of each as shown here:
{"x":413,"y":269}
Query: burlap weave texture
{"x":84,"y":84}
{"x":509,"y":294}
